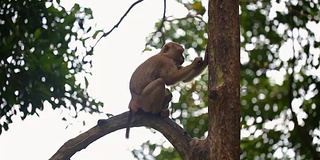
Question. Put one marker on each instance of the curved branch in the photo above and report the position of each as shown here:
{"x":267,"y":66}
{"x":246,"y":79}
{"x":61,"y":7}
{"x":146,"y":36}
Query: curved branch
{"x":172,"y":131}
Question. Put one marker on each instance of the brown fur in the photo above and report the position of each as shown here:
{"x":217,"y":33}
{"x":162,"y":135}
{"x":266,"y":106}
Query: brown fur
{"x":147,"y":84}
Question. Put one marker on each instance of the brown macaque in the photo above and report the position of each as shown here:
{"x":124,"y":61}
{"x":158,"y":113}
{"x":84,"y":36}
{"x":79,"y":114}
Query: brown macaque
{"x":147,"y":84}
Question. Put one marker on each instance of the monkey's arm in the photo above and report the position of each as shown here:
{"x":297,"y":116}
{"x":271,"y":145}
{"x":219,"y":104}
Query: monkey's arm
{"x":197,"y":70}
{"x":172,"y":76}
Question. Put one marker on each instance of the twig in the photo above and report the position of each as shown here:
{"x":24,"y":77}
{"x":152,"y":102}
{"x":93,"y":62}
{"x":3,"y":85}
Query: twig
{"x":162,"y":22}
{"x":186,"y":17}
{"x":116,"y":26}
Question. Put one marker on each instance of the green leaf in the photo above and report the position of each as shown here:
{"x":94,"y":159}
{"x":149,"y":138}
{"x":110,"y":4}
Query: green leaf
{"x":96,"y":33}
{"x":37,"y":33}
{"x":86,"y":82}
{"x":5,"y":126}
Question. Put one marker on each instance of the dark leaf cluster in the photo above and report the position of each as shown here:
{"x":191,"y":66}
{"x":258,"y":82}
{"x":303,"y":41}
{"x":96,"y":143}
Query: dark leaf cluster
{"x":37,"y":62}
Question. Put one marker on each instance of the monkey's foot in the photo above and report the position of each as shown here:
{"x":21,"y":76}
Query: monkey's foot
{"x":165,"y":113}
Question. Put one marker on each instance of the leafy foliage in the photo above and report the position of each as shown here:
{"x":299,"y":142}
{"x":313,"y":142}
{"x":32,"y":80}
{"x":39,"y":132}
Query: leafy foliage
{"x":280,"y":78}
{"x":38,"y":62}
{"x":281,"y":115}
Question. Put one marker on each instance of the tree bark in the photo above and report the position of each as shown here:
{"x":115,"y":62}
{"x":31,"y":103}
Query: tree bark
{"x":224,"y":79}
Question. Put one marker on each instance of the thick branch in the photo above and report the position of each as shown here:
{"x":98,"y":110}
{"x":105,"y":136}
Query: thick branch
{"x":172,"y":131}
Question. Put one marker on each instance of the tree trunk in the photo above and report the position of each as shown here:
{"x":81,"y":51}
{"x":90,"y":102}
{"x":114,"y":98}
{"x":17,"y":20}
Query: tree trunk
{"x":224,"y":79}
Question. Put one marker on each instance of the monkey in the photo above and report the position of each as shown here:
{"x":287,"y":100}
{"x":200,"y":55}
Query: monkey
{"x":148,"y":81}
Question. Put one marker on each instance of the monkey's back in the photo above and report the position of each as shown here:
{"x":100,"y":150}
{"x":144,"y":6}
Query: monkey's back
{"x":147,"y":72}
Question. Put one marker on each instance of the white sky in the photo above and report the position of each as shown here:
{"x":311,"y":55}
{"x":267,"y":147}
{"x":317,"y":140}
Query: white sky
{"x":116,"y":56}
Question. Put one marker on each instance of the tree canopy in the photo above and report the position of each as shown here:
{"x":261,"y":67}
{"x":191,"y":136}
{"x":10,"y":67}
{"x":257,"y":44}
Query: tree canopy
{"x":39,"y":61}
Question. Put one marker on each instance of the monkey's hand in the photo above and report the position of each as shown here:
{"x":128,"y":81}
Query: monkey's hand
{"x":196,"y":61}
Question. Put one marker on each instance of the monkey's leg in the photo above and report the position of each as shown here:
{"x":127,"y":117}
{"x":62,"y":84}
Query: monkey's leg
{"x":168,"y":97}
{"x":152,"y":96}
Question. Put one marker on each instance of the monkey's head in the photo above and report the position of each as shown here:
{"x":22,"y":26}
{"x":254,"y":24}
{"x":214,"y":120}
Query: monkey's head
{"x":174,"y":51}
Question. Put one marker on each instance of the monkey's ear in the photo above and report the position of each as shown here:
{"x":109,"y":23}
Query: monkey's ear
{"x":165,"y":48}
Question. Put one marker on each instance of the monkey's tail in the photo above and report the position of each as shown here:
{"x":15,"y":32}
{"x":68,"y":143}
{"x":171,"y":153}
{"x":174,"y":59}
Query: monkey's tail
{"x":129,"y":123}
